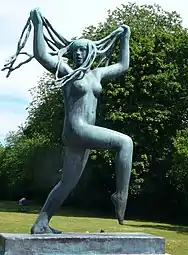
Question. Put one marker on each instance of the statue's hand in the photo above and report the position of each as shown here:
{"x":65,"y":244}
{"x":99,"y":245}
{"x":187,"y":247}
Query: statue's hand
{"x":36,"y":16}
{"x":126,"y":30}
{"x":122,"y":30}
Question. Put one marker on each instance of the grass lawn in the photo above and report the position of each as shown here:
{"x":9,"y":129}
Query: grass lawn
{"x":13,"y":221}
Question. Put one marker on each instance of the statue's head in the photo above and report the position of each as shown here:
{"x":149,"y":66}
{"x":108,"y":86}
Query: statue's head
{"x":80,"y":50}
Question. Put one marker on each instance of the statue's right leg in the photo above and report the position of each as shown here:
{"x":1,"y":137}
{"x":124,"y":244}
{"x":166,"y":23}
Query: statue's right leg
{"x":74,"y":163}
{"x":98,"y":137}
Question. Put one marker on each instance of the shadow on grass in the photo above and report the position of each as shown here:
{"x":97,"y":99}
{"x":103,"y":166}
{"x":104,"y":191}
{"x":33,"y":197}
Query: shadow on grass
{"x":64,"y":211}
{"x":14,"y":207}
{"x":178,"y":229}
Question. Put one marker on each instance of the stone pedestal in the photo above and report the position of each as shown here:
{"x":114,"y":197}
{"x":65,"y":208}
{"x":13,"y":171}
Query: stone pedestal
{"x":80,"y":243}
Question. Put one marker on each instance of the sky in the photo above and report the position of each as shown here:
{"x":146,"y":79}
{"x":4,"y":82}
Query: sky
{"x":69,"y":17}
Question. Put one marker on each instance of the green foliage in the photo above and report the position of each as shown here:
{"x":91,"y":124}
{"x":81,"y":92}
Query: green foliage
{"x":17,"y":160}
{"x":178,"y":173}
{"x":46,"y":111}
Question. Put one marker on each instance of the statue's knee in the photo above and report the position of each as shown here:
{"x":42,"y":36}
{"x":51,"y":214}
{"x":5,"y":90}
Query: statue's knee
{"x":127,"y":142}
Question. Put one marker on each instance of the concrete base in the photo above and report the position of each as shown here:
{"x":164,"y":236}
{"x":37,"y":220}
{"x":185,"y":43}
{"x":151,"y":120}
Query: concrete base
{"x":80,"y":243}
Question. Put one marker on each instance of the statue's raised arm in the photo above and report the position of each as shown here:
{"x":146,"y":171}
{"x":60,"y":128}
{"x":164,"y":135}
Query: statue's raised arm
{"x":41,"y":54}
{"x":122,"y":64}
{"x":61,"y":47}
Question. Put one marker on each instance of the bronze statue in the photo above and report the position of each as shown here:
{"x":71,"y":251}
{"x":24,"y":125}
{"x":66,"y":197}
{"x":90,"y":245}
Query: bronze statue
{"x":81,"y":86}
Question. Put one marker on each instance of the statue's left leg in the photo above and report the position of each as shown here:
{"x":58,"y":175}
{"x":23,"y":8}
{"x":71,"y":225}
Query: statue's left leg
{"x":74,"y":163}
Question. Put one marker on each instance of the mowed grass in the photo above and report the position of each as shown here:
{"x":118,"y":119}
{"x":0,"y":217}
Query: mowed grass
{"x":13,"y":221}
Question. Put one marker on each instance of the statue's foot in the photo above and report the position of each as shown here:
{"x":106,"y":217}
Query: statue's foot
{"x":44,"y":229}
{"x":41,"y":229}
{"x":120,"y":206}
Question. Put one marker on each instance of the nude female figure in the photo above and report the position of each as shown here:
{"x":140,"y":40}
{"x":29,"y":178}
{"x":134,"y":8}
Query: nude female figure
{"x":80,"y":133}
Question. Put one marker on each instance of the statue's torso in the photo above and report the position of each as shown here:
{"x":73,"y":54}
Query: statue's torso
{"x":80,"y":99}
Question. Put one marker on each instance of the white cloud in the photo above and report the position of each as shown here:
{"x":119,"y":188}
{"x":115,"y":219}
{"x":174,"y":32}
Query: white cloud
{"x":10,"y":121}
{"x":69,"y":18}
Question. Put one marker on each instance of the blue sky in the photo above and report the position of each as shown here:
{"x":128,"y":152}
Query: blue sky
{"x":69,"y":17}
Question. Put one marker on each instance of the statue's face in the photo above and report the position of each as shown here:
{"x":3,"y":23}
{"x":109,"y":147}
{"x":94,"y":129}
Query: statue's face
{"x":80,"y":51}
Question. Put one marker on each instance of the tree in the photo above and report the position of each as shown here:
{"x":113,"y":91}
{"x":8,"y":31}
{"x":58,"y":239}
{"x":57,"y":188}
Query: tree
{"x":178,"y":174}
{"x":46,"y":111}
{"x":20,"y":164}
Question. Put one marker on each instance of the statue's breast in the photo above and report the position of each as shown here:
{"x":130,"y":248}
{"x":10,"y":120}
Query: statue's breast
{"x":79,"y":87}
{"x":88,"y":84}
{"x":97,"y":88}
